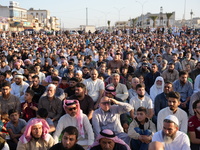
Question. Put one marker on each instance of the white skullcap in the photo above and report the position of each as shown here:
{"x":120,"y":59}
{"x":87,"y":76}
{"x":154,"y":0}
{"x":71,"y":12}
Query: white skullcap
{"x":173,"y":118}
{"x":79,"y":71}
{"x":51,"y":85}
{"x":19,"y":76}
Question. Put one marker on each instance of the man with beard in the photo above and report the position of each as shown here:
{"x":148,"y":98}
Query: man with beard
{"x":173,"y":109}
{"x":170,"y":74}
{"x":79,"y":76}
{"x":37,"y":88}
{"x":36,"y":136}
{"x":115,"y":63}
{"x":185,"y":88}
{"x":70,"y":68}
{"x":141,"y":100}
{"x":51,"y":103}
{"x":48,"y":80}
{"x":170,"y":137}
{"x":63,"y":67}
{"x":18,"y":88}
{"x":107,"y":140}
{"x":95,"y":87}
{"x":121,"y":89}
{"x":86,"y":102}
{"x":161,"y":101}
{"x":143,"y":70}
{"x":127,"y":64}
{"x":18,"y":68}
{"x":193,"y":126}
{"x":195,"y":72}
{"x":7,"y":100}
{"x":71,"y":89}
{"x":59,"y":91}
{"x":75,"y":117}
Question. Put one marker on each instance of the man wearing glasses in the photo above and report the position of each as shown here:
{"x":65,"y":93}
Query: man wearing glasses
{"x":107,"y":116}
{"x":75,"y":117}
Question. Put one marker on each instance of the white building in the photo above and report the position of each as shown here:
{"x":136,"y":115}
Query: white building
{"x":4,"y":18}
{"x":17,"y":14}
{"x":146,"y":21}
{"x":43,"y":16}
{"x":4,"y":11}
{"x":121,"y":24}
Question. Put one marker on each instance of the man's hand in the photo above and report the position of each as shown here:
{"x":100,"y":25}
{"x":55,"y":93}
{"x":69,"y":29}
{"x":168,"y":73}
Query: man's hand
{"x":21,"y":93}
{"x":25,"y":106}
{"x":96,"y":106}
{"x":183,"y":104}
{"x":146,"y":139}
{"x":34,"y":108}
{"x":141,"y":138}
{"x":114,"y":101}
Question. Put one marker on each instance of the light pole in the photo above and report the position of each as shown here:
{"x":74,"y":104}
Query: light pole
{"x":142,"y":4}
{"x":191,"y":13}
{"x":119,"y":10}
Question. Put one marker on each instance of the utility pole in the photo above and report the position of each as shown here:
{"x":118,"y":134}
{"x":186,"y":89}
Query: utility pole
{"x":86,"y":16}
{"x":142,"y":4}
{"x":60,"y":26}
{"x":191,"y":13}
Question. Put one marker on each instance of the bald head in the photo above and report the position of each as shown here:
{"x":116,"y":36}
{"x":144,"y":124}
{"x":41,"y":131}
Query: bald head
{"x":156,"y":146}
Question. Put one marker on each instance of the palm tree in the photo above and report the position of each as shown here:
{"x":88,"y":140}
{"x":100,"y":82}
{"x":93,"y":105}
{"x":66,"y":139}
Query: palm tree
{"x":154,"y":20}
{"x":134,"y":22}
{"x":168,"y":17}
{"x":108,"y":24}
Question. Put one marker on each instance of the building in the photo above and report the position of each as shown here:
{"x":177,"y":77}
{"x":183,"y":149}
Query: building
{"x":18,"y":16}
{"x":4,"y":18}
{"x":160,"y":20}
{"x":40,"y":18}
{"x":54,"y":24}
{"x":145,"y":21}
{"x":191,"y":23}
{"x":121,"y":24}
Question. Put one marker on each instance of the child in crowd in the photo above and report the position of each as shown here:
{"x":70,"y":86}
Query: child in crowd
{"x":14,"y":127}
{"x":129,"y":81}
{"x":5,"y":119}
{"x":42,"y":113}
{"x":29,"y":107}
{"x":64,"y":84}
{"x":9,"y":76}
{"x":141,"y":130}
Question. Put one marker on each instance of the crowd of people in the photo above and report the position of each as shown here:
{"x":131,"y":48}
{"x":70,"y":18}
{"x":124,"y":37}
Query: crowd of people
{"x":126,"y":89}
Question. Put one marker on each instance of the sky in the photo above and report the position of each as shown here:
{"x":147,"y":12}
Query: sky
{"x":72,"y":13}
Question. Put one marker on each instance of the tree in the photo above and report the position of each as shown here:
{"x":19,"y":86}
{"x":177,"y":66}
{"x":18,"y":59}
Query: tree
{"x":108,"y":24}
{"x":154,"y":20}
{"x":134,"y":22}
{"x":168,"y":17}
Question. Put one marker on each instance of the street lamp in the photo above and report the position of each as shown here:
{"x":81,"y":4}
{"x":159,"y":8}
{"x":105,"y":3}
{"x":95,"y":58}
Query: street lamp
{"x":142,"y":4}
{"x":191,"y":13}
{"x":119,"y":10}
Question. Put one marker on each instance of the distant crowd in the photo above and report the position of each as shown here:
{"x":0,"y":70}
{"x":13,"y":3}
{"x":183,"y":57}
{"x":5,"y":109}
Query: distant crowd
{"x":126,"y":89}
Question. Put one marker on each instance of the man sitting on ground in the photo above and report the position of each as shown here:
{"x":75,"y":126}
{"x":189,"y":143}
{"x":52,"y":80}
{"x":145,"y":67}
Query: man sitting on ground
{"x":108,"y":140}
{"x":170,"y":137}
{"x":36,"y":136}
{"x":69,"y":140}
